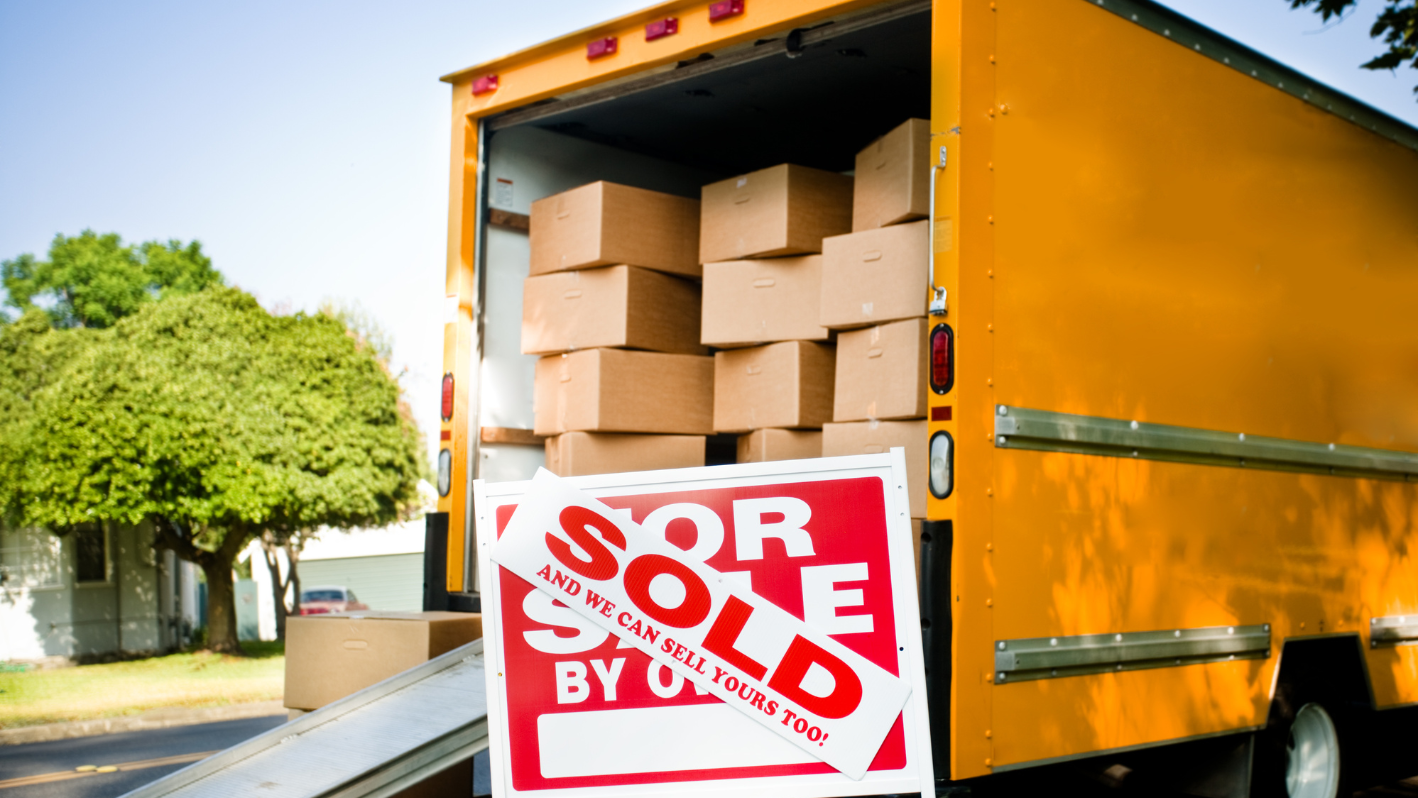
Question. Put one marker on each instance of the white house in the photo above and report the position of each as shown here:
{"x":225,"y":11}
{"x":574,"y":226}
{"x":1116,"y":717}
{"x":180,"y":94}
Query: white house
{"x":91,"y":592}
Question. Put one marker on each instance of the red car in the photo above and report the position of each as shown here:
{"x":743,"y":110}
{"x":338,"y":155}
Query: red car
{"x":327,"y":599}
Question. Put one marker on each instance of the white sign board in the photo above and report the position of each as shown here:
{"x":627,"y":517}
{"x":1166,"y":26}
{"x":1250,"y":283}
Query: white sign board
{"x":749,"y":629}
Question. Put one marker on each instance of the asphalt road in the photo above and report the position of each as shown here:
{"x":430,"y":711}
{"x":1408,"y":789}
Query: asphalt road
{"x":61,"y":756}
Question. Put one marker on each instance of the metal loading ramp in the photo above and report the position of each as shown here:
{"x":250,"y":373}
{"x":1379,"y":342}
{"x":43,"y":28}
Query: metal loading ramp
{"x":373,"y":743}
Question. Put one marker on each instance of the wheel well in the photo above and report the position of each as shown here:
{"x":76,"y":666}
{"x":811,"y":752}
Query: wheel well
{"x":1326,"y":669}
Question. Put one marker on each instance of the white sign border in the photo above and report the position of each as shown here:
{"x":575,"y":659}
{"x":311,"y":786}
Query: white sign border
{"x":906,"y":609}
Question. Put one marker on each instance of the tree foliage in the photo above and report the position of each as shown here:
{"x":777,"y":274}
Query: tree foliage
{"x":1397,"y":24}
{"x":215,"y":420}
{"x":33,"y":357}
{"x":93,"y":280}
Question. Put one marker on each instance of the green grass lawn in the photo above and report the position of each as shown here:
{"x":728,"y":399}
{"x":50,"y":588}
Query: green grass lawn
{"x":88,"y":692}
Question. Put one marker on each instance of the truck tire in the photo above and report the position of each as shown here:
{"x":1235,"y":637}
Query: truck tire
{"x":1302,"y":756}
{"x":1312,"y":761}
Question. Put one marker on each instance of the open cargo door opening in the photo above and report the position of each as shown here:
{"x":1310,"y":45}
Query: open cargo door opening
{"x":812,"y":96}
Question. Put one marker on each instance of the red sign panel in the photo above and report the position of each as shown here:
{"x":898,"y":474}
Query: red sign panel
{"x":579,"y":709}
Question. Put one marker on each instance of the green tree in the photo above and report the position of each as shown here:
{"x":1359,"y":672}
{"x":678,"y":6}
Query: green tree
{"x":93,"y":280}
{"x":1397,"y":23}
{"x":33,"y":356}
{"x":215,"y":421}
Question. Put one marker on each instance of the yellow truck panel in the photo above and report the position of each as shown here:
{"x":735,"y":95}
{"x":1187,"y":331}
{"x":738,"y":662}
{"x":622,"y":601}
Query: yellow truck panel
{"x":1181,"y":232}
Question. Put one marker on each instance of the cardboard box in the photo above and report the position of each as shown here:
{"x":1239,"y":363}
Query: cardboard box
{"x":606,"y":224}
{"x":764,"y":445}
{"x":623,"y":306}
{"x":893,"y":178}
{"x":575,"y":454}
{"x":749,"y":302}
{"x":331,"y":656}
{"x":620,"y":390}
{"x":874,"y":437}
{"x":874,"y":276}
{"x":779,"y":385}
{"x":881,"y":372}
{"x":782,"y":210}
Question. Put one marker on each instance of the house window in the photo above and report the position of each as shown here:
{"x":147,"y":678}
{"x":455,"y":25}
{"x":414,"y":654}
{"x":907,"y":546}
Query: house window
{"x":30,"y":559}
{"x":90,"y":555}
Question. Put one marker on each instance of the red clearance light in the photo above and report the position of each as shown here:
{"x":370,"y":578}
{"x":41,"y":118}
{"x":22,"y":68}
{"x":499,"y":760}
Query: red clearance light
{"x":659,"y":30}
{"x":942,"y":359}
{"x":484,"y":85}
{"x":601,"y":48}
{"x":447,"y":397}
{"x":725,"y":9}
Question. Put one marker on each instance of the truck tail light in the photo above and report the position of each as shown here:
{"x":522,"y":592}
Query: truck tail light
{"x":447,"y":408}
{"x":602,"y":47}
{"x":659,"y":30}
{"x":942,"y":449}
{"x":942,"y":359}
{"x":484,"y":85}
{"x":725,"y":9}
{"x":445,"y":471}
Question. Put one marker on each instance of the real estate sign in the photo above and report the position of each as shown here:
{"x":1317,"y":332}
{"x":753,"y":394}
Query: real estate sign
{"x":750,"y":629}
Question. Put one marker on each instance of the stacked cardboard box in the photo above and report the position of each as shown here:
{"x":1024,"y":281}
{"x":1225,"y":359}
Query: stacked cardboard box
{"x":874,"y":294}
{"x":623,"y":384}
{"x":761,"y":239}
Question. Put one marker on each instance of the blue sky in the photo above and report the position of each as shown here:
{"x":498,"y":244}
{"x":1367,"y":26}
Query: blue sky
{"x":305,"y":142}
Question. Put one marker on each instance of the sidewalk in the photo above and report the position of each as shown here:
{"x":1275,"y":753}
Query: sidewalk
{"x":153,"y":719}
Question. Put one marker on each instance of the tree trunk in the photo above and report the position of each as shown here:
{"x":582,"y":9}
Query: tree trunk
{"x":221,"y":585}
{"x":221,"y":605}
{"x":278,"y":588}
{"x":293,"y":578}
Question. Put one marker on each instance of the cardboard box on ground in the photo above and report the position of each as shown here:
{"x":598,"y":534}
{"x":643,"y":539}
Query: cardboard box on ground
{"x":748,"y":302}
{"x":576,"y":454}
{"x":785,"y":384}
{"x":873,"y":437}
{"x":607,"y":224}
{"x":881,"y":372}
{"x":766,"y":445}
{"x":331,"y":656}
{"x":621,"y":390}
{"x":782,"y":210}
{"x":893,"y":177}
{"x":611,"y":306}
{"x":874,"y":276}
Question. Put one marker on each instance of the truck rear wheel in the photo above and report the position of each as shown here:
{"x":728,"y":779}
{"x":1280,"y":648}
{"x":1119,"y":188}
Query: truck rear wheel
{"x":1312,"y":756}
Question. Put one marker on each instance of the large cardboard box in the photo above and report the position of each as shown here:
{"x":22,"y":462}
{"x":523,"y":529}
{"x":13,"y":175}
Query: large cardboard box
{"x":749,"y":302}
{"x":620,"y":390}
{"x":575,"y":454}
{"x":765,"y":445}
{"x":622,"y":306}
{"x":874,"y":437}
{"x":874,"y":276}
{"x":605,"y":224}
{"x":893,"y":178}
{"x":779,"y":385}
{"x":782,"y":210}
{"x":881,"y":372}
{"x":331,"y":656}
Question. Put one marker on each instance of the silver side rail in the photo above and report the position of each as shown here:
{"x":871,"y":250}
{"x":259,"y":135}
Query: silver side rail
{"x":372,"y":744}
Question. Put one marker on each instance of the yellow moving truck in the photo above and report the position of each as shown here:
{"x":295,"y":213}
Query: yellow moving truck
{"x":1172,"y":432}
